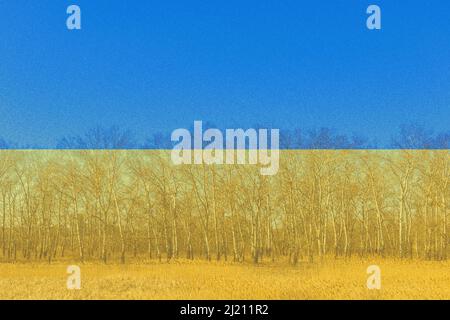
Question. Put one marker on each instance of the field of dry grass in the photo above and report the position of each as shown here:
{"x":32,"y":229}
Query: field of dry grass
{"x":341,"y":279}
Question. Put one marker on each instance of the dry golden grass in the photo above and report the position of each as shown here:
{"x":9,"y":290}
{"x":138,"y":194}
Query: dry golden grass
{"x":331,"y":279}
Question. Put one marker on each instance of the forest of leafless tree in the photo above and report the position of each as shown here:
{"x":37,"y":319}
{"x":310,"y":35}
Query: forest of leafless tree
{"x":111,"y":205}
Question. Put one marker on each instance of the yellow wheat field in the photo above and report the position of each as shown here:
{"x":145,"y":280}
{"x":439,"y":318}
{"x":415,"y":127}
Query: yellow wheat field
{"x":330,"y":279}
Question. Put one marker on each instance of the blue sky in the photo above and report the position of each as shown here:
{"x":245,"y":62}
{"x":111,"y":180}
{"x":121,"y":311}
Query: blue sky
{"x":156,"y":66}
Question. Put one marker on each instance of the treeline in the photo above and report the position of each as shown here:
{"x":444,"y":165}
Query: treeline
{"x":411,"y":136}
{"x":115,"y":205}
